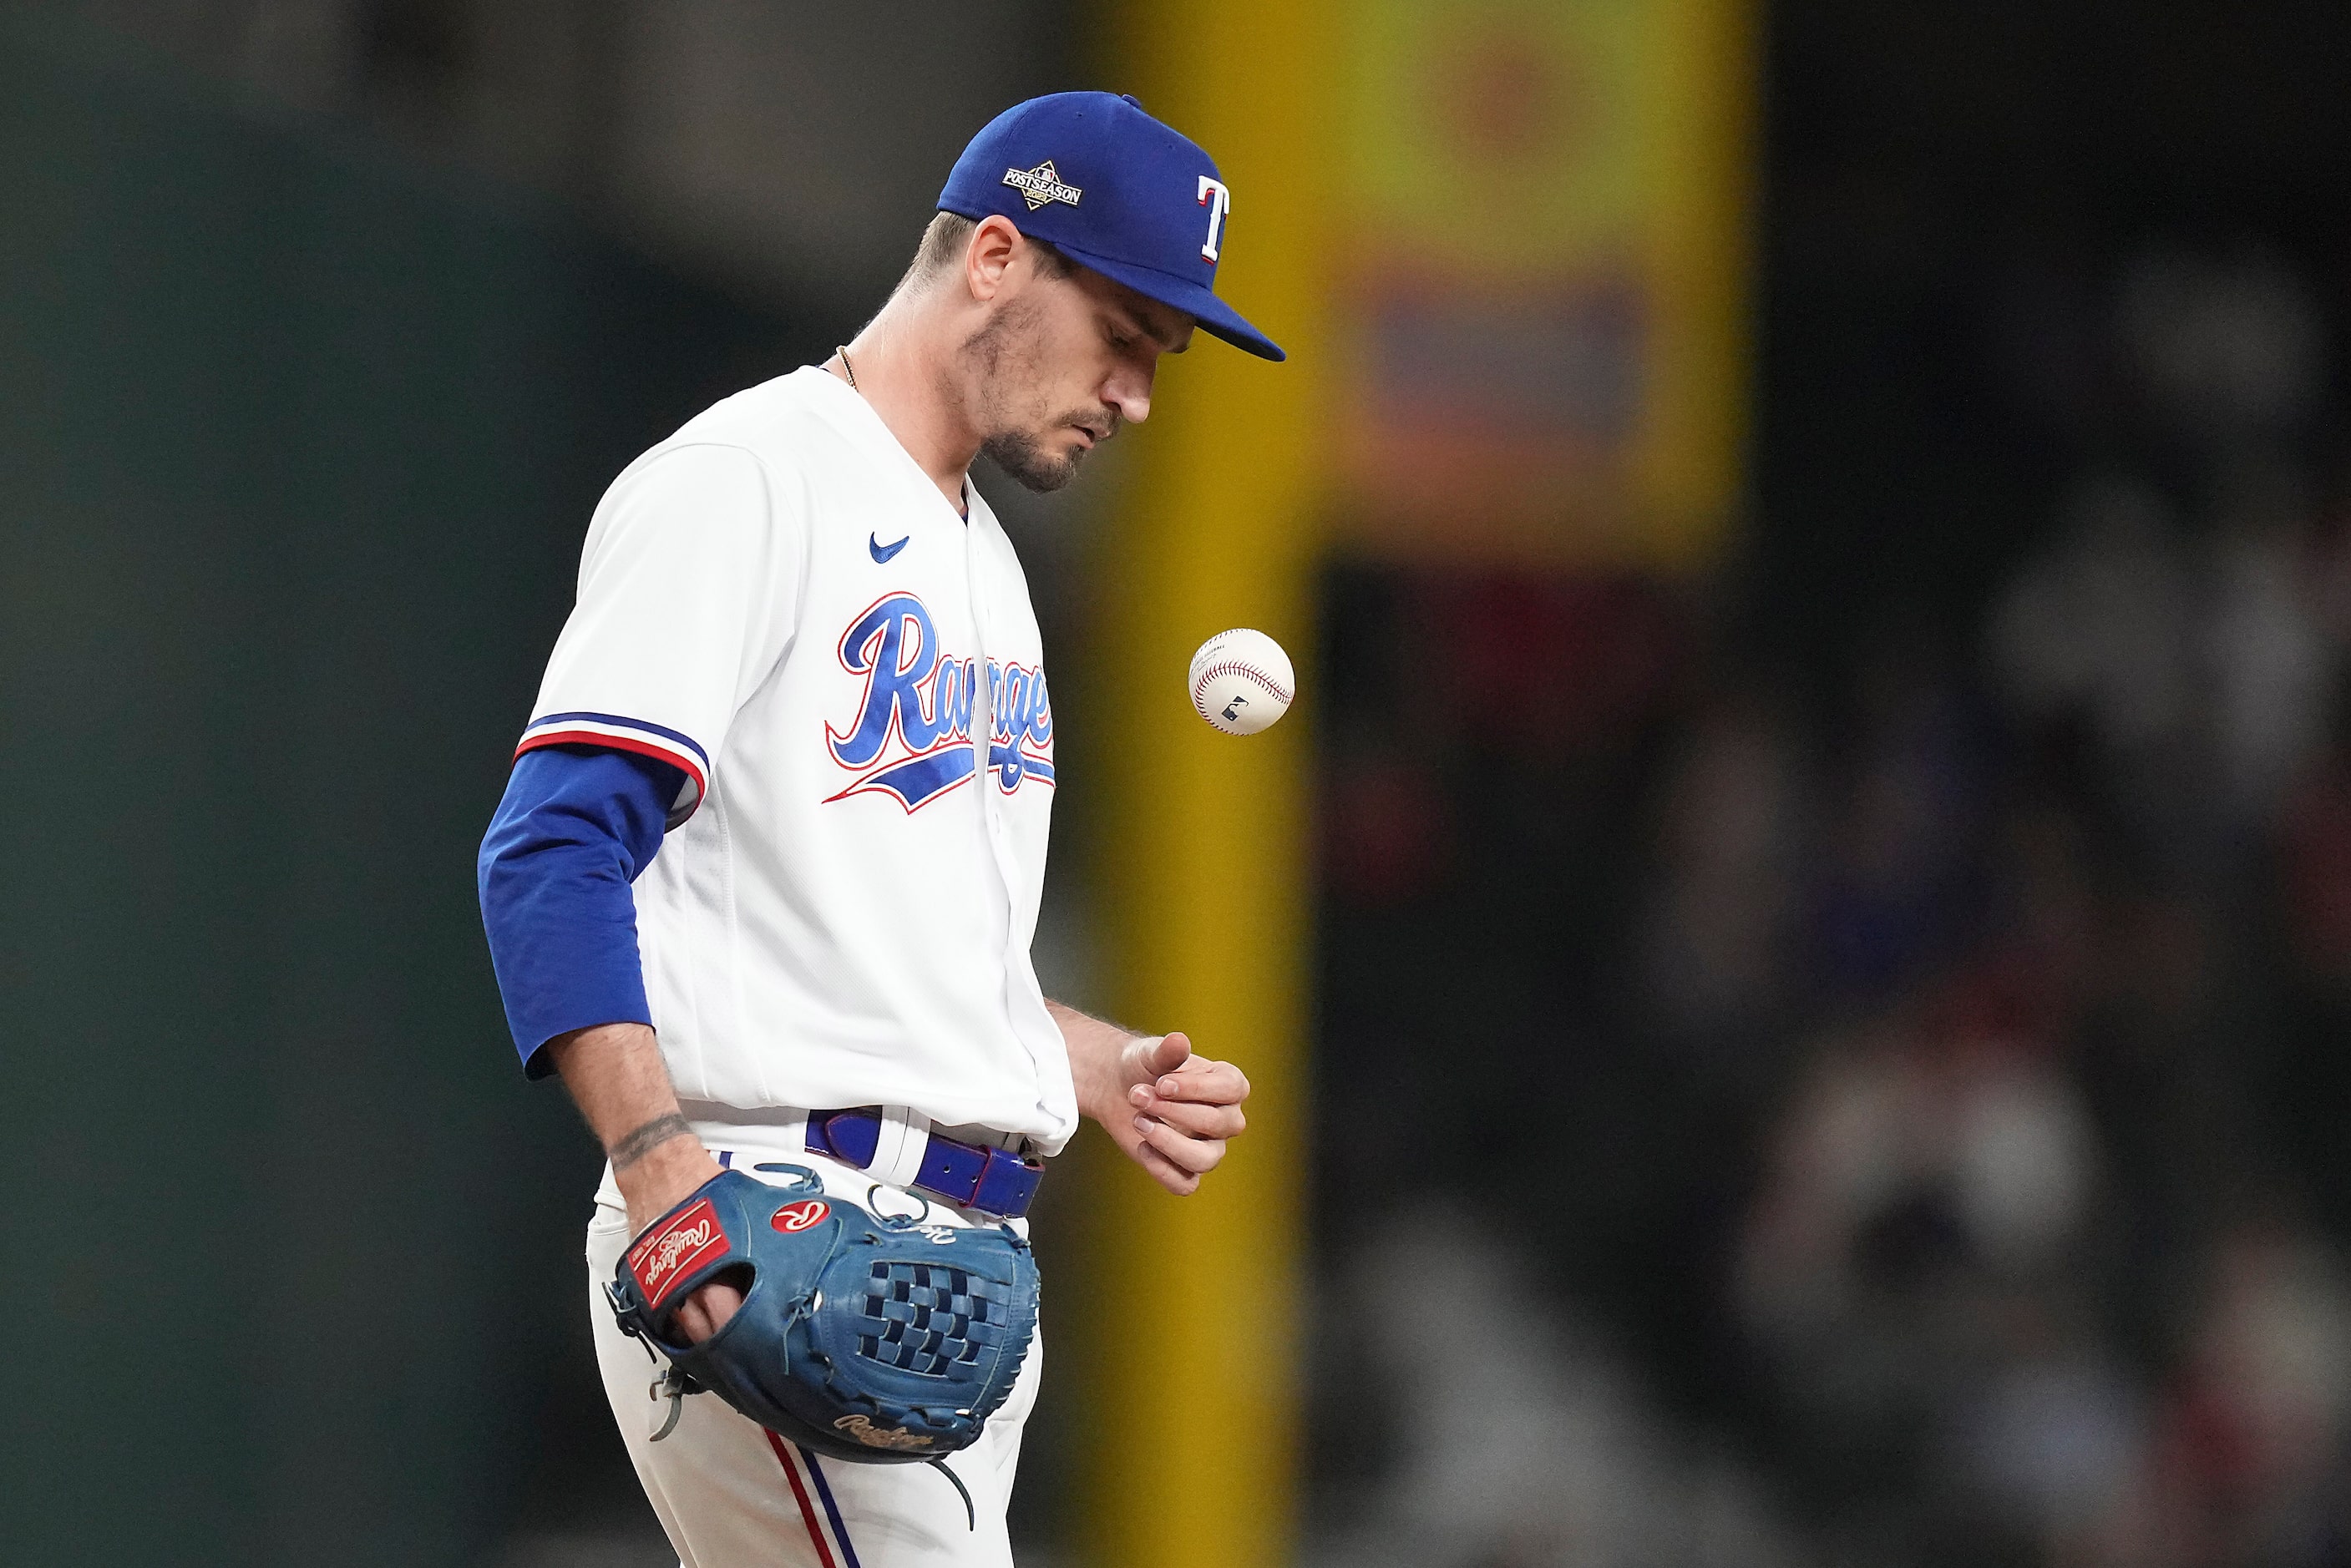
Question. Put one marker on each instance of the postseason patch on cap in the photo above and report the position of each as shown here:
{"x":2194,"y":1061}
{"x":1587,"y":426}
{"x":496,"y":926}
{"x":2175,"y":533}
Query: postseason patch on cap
{"x":1041,"y":184}
{"x":692,"y":1238}
{"x":1116,"y":191}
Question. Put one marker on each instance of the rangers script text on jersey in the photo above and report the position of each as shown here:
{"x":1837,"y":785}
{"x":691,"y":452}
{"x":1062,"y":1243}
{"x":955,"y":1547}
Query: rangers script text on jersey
{"x":777,"y":601}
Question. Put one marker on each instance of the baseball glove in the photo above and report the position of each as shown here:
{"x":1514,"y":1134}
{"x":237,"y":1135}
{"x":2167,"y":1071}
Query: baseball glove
{"x":862,"y":1338}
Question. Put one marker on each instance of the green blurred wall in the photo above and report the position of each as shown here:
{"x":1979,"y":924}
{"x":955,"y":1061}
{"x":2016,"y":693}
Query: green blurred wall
{"x":296,"y":447}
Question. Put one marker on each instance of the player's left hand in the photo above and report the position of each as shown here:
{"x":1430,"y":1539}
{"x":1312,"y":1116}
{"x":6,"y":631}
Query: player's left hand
{"x":1180,"y":1110}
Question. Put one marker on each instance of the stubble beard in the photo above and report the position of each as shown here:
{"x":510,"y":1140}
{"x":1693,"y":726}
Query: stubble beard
{"x":1027,"y":463}
{"x":1007,"y":355}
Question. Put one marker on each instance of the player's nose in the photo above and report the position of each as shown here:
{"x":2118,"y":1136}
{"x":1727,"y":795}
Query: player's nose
{"x":1129,"y":391}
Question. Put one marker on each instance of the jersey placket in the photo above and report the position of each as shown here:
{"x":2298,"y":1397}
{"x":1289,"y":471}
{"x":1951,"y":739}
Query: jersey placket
{"x":992,"y":801}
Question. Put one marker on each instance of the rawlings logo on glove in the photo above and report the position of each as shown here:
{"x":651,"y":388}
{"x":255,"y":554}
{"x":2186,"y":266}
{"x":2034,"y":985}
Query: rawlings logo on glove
{"x":799,"y":1216}
{"x":677,"y":1249}
{"x":864,"y":1337}
{"x":873,"y":1436}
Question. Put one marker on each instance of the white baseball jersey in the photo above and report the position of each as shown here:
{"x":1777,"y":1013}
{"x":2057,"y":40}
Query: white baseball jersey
{"x":779,"y":601}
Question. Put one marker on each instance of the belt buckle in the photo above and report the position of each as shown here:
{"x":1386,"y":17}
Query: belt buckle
{"x":1004,"y":1187}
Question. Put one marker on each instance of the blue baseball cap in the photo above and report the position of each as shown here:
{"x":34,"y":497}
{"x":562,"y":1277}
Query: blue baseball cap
{"x":1112,"y":189}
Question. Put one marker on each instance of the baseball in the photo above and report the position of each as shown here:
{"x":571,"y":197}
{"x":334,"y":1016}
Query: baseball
{"x":1241,"y":682}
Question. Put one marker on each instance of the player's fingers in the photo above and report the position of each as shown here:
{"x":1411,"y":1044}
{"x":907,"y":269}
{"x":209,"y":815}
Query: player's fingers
{"x":1195,"y":1120}
{"x":1149,"y":1059}
{"x":1166,"y":1171}
{"x":707,"y":1310}
{"x":1207,"y":1082}
{"x":1196,"y":1155}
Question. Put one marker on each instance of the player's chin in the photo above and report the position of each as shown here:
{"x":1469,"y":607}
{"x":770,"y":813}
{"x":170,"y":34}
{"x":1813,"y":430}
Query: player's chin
{"x":1041,"y":465}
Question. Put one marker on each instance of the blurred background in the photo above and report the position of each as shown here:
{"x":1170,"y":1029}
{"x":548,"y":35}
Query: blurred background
{"x":1796,"y":951}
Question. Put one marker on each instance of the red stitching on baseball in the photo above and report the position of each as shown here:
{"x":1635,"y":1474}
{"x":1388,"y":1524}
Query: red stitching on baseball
{"x":1214,"y":671}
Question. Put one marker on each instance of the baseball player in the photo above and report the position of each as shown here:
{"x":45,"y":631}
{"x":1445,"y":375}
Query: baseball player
{"x":762,"y":887}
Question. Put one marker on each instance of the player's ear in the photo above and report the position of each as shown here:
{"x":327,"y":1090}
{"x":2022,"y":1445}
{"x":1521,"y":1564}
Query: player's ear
{"x":990,"y":255}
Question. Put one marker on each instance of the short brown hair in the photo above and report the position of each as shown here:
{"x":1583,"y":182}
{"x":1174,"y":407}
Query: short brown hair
{"x":943,"y":242}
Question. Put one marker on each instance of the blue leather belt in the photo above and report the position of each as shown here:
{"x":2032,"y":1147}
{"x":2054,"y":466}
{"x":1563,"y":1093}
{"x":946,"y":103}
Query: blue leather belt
{"x":970,"y":1176}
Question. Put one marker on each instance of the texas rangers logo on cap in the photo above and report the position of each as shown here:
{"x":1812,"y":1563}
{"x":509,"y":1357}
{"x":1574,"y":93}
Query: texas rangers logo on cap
{"x":1155,"y":214}
{"x":1041,"y":184}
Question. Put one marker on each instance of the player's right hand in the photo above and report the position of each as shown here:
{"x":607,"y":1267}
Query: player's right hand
{"x":1184,"y":1110}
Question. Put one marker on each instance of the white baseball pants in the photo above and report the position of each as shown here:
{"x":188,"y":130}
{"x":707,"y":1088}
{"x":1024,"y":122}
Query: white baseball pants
{"x":732,"y":1494}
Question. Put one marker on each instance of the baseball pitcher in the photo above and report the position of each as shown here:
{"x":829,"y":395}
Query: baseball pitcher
{"x":763,"y":883}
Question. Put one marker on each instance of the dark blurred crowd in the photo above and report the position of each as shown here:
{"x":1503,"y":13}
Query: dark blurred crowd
{"x":2042,"y":1263}
{"x":1923,"y":1081}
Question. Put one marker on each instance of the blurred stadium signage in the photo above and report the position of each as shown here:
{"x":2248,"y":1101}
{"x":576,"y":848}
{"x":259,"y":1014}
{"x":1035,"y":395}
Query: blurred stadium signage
{"x":1545,"y":239}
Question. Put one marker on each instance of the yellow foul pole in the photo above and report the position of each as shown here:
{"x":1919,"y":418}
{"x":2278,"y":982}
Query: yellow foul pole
{"x":1192,"y":1387}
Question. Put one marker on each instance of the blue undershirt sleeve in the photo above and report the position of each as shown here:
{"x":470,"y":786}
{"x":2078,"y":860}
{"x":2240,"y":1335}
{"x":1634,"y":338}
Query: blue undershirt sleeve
{"x":577,"y":826}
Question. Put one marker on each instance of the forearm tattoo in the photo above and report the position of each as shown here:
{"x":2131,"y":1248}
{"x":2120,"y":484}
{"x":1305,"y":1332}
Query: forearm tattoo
{"x":634,"y":1146}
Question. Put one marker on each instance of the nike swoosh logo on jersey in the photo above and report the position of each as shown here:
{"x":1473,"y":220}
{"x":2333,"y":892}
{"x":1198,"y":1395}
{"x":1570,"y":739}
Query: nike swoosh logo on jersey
{"x":883,"y":554}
